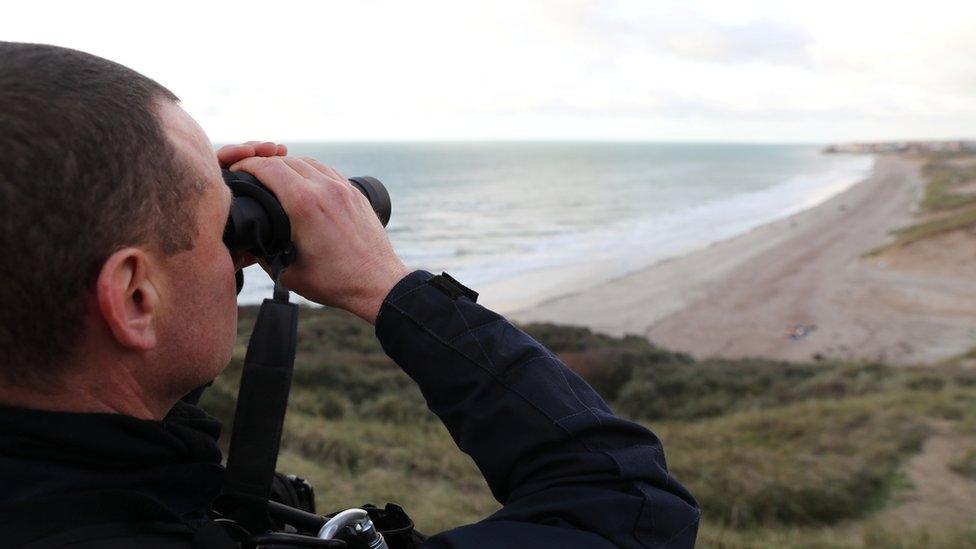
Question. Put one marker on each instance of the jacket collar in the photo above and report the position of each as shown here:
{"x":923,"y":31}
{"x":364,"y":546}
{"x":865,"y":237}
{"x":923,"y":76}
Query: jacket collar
{"x":175,"y":461}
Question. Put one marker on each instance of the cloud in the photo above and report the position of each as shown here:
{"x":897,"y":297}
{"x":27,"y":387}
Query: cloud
{"x":686,"y":32}
{"x":757,"y":41}
{"x":660,"y":69}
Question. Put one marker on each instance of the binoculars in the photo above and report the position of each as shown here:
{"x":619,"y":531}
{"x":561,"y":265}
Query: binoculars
{"x":259,"y":225}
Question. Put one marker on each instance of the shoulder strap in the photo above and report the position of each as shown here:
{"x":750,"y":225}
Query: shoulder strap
{"x":261,"y":404}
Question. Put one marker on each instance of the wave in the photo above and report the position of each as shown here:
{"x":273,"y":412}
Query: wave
{"x":631,"y":245}
{"x":484,"y":249}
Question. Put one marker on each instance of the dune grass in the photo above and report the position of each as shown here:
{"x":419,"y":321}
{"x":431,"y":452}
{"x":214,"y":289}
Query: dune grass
{"x":948,"y":201}
{"x":778,"y":454}
{"x":943,"y":179}
{"x":870,"y":535}
{"x":965,"y":465}
{"x":954,"y":221}
{"x":813,"y":463}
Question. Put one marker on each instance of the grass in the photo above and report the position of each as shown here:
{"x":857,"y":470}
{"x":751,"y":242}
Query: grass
{"x":813,"y":463}
{"x":871,"y":535}
{"x":946,"y":205}
{"x":943,"y":180}
{"x":778,"y":454}
{"x":352,"y":462}
{"x":965,"y":465}
{"x":961,"y":537}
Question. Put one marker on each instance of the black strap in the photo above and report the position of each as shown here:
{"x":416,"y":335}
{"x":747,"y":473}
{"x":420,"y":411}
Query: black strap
{"x":261,"y":403}
{"x":447,"y":284}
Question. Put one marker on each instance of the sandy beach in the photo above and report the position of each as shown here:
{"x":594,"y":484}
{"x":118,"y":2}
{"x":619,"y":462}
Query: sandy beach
{"x":805,"y":276}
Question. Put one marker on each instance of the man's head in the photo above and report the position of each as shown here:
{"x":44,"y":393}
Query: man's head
{"x":111,"y":213}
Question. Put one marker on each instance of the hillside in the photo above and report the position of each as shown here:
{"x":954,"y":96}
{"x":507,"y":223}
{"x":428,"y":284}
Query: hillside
{"x":942,"y":237}
{"x":826,"y":454}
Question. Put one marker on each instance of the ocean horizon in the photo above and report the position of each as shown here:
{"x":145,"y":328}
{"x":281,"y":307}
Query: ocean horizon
{"x":521,"y":218}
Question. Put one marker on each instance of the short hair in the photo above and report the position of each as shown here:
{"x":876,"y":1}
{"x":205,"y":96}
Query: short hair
{"x":85,"y":170}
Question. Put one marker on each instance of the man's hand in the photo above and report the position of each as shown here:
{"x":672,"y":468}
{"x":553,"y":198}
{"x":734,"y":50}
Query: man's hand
{"x":229,"y":154}
{"x":345,"y":258}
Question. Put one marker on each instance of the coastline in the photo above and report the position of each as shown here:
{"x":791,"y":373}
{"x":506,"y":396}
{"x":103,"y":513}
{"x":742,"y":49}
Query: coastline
{"x":741,"y":297}
{"x":665,"y":235}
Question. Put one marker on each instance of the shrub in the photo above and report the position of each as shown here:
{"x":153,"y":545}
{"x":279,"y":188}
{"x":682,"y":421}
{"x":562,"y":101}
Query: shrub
{"x":806,"y":464}
{"x":782,"y":446}
{"x":965,"y":465}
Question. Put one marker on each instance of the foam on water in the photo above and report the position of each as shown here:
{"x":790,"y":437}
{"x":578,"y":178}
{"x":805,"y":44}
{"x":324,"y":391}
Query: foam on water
{"x":491,"y":212}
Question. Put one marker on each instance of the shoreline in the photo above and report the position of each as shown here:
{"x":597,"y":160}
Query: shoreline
{"x":740,"y":297}
{"x":527,"y":290}
{"x":528,"y":309}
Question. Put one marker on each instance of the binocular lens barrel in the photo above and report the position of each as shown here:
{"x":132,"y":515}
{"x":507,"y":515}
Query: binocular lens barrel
{"x":258,"y":224}
{"x":377,"y":195}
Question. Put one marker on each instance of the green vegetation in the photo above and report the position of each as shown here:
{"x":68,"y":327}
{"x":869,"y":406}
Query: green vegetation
{"x":966,"y":464}
{"x":959,"y":538}
{"x":940,"y":225}
{"x":871,"y":535}
{"x":944,"y":178}
{"x":812,"y":463}
{"x":949,"y":200}
{"x":778,"y":454}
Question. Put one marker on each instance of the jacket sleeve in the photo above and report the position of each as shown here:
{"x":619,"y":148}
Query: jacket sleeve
{"x":568,"y":472}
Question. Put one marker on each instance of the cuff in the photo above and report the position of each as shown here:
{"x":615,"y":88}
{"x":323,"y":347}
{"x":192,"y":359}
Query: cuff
{"x":429,"y":300}
{"x":406,"y":285}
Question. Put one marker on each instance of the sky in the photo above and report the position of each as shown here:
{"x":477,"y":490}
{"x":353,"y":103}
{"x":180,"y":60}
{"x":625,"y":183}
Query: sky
{"x":694,"y":70}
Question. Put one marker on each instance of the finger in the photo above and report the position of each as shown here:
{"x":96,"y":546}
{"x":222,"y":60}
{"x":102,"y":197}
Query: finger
{"x":302,"y":166}
{"x":230,"y":154}
{"x":273,"y":165}
{"x":280,"y":148}
{"x":326,"y":170}
{"x":278,"y":176}
{"x":266,"y":148}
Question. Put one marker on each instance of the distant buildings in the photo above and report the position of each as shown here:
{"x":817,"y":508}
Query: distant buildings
{"x":903,"y":147}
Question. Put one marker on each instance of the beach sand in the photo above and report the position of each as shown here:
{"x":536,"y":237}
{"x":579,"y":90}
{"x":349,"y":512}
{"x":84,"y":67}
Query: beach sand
{"x":745,"y":296}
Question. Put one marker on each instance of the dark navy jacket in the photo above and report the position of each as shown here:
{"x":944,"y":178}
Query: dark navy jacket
{"x":569,"y":473}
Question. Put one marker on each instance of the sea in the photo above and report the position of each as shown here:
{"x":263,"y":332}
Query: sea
{"x":524,"y":221}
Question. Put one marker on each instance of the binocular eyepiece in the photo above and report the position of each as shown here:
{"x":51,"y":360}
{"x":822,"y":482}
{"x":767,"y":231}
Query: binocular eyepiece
{"x":258,"y":224}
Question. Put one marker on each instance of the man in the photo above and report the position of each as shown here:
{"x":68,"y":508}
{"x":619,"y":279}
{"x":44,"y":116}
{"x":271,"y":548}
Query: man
{"x":117,"y":297}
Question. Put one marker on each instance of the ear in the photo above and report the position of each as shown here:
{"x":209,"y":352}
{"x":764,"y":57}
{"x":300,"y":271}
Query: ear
{"x":128,"y":299}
